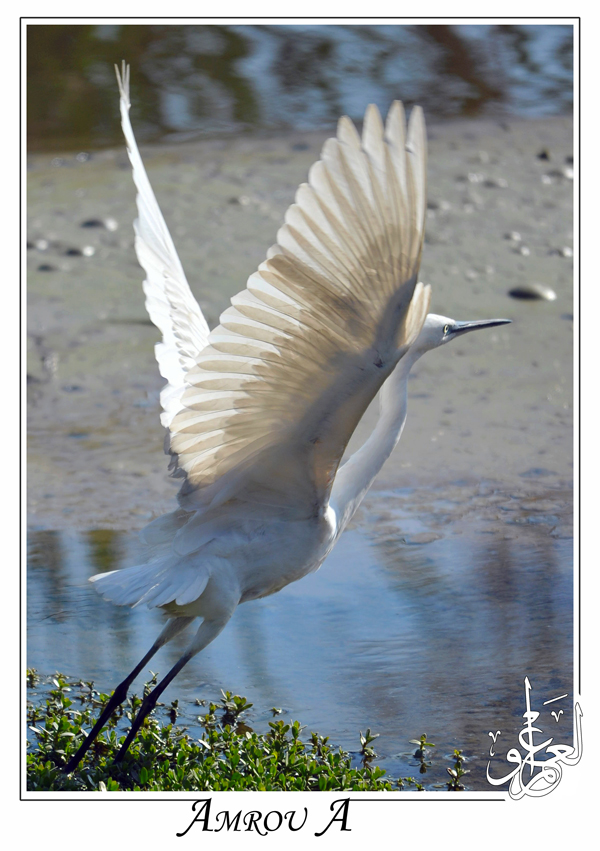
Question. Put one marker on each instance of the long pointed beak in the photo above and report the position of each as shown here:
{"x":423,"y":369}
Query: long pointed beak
{"x":462,"y":327}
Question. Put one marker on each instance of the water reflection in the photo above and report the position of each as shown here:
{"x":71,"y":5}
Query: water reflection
{"x":223,"y":79}
{"x":401,"y":637}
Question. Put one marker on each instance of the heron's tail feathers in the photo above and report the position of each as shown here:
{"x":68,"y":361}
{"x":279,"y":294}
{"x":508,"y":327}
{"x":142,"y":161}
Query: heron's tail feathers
{"x":169,"y":579}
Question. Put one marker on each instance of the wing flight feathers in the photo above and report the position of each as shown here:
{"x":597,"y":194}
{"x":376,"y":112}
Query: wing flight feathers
{"x":271,"y":401}
{"x":169,"y":300}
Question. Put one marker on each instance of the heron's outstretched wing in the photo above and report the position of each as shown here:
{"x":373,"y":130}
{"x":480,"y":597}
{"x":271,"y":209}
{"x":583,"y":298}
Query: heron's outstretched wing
{"x":169,"y":300}
{"x":275,"y":396}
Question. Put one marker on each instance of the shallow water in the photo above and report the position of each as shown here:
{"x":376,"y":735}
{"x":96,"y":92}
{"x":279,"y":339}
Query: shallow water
{"x":424,"y":619}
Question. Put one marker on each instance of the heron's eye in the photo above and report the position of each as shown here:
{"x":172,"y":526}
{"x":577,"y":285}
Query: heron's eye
{"x":446,"y":330}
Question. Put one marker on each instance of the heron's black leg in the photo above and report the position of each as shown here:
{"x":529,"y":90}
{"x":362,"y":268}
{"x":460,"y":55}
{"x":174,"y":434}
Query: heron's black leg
{"x":149,"y":703}
{"x":172,"y":628}
{"x":207,"y":631}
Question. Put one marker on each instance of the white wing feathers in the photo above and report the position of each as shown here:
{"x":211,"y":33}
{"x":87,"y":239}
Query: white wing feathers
{"x":275,"y":396}
{"x":261,"y":409}
{"x":169,"y":301}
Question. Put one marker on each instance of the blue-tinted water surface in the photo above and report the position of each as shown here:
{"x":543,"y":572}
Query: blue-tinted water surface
{"x":410,"y":627}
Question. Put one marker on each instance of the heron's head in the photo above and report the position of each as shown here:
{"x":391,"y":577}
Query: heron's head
{"x":438,"y":330}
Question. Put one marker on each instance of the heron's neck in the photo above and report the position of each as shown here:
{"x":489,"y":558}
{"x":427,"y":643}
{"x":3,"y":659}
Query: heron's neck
{"x":354,"y":478}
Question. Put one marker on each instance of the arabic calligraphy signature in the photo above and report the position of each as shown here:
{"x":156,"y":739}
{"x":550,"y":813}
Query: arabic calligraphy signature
{"x":494,"y":737}
{"x":550,"y":769}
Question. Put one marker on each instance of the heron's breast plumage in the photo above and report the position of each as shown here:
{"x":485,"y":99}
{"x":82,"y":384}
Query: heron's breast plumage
{"x":284,"y":553}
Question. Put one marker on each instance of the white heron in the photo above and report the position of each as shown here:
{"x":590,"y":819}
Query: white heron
{"x":259,"y":411}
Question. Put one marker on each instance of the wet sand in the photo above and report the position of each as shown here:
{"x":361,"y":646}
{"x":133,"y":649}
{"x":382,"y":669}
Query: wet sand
{"x":494,"y":408}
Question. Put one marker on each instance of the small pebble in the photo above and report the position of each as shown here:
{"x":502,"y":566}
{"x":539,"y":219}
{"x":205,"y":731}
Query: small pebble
{"x":533,"y":291}
{"x":543,"y":155}
{"x":420,"y":538}
{"x":566,"y":251}
{"x":88,"y":250}
{"x":50,"y":362}
{"x":568,"y":173}
{"x":83,"y":157}
{"x":46,"y":267}
{"x":73,"y":252}
{"x":474,"y":177}
{"x":524,"y":250}
{"x":57,"y":162}
{"x":496,"y":183}
{"x":546,"y":179}
{"x":514,"y":235}
{"x":109,"y":224}
{"x":41,"y":244}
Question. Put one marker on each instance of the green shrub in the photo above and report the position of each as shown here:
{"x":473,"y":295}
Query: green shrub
{"x":164,"y":757}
